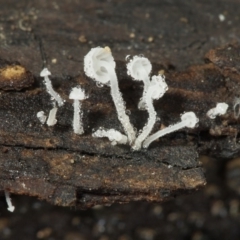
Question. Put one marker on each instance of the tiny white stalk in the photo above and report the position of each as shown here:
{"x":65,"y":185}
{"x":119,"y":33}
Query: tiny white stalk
{"x":139,"y":69}
{"x":113,"y":135}
{"x":77,"y":94}
{"x":100,"y":66}
{"x":51,"y":121}
{"x":189,"y":120}
{"x":220,"y":109}
{"x":55,"y":96}
{"x":156,"y":90}
{"x":11,"y":208}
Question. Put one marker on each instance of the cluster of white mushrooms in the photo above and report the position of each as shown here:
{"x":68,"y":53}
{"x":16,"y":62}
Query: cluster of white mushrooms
{"x":100,"y":66}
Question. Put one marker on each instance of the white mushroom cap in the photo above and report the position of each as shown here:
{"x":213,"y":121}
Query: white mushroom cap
{"x":77,"y":94}
{"x":97,"y":63}
{"x":190,"y":119}
{"x":159,"y":86}
{"x":139,"y":67}
{"x":45,"y":72}
{"x":221,"y":108}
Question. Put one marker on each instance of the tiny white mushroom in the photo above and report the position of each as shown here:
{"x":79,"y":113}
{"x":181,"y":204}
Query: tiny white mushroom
{"x":156,"y":90}
{"x":220,"y":109}
{"x":100,"y":66}
{"x":11,"y":208}
{"x":113,"y":135}
{"x":77,"y":94}
{"x":139,"y":69}
{"x":45,"y":73}
{"x":51,"y":121}
{"x":42,"y":117}
{"x":189,"y":120}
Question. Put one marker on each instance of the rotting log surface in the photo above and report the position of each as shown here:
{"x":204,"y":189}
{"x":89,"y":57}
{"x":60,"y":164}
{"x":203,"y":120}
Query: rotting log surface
{"x":65,"y":169}
{"x":55,"y":164}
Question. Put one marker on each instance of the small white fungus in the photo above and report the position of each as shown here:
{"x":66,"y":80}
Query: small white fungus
{"x":42,"y":117}
{"x":77,"y":94}
{"x":113,"y":135}
{"x":45,"y":73}
{"x":139,"y":68}
{"x":156,"y":90}
{"x":188,"y":119}
{"x":11,"y":208}
{"x":100,"y":66}
{"x":221,"y":17}
{"x":52,"y":117}
{"x":220,"y":109}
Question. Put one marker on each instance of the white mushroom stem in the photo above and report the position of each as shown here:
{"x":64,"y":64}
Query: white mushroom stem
{"x":220,"y":109}
{"x":11,"y":208}
{"x":52,"y":117}
{"x":189,"y":120}
{"x":77,"y":118}
{"x":146,"y":81}
{"x":119,"y":104}
{"x":45,"y":73}
{"x":77,"y":94}
{"x":139,"y":69}
{"x":113,"y":135}
{"x":151,"y":121}
{"x":156,"y":90}
{"x":100,"y":65}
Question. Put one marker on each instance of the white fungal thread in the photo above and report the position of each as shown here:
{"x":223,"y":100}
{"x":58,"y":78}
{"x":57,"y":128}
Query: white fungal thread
{"x":55,"y":96}
{"x":156,"y":90}
{"x":220,"y":109}
{"x":77,"y":94}
{"x":113,"y":135}
{"x":189,"y":120}
{"x":11,"y":208}
{"x":139,"y":68}
{"x":100,"y":66}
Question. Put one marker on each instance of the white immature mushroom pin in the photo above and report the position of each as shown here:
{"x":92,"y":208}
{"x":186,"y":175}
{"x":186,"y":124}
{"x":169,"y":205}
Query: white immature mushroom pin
{"x":77,"y":94}
{"x":220,"y":109}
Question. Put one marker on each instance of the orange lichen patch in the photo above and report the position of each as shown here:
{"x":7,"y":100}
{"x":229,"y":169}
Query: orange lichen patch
{"x":12,"y":72}
{"x":15,"y":77}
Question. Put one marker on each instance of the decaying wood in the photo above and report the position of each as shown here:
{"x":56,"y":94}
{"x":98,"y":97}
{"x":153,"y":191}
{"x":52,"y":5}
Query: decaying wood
{"x":63,"y":168}
{"x":55,"y":164}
